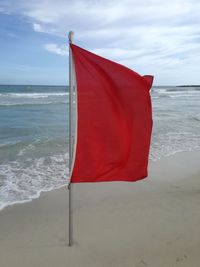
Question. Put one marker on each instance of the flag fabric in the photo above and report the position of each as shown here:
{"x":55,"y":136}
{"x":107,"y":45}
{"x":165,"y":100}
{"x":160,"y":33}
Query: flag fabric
{"x":114,"y":120}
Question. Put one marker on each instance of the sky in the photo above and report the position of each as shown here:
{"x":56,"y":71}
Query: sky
{"x":161,"y":38}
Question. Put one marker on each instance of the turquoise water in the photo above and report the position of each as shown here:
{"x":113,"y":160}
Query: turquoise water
{"x":33,"y":141}
{"x":34,"y":135}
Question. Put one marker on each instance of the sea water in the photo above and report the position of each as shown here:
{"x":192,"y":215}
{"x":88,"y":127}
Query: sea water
{"x":34,"y":139}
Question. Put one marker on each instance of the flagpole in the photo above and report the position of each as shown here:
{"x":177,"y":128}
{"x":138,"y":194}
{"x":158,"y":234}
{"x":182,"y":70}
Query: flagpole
{"x":70,"y":230}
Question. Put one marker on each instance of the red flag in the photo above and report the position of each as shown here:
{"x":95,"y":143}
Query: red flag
{"x":114,"y":120}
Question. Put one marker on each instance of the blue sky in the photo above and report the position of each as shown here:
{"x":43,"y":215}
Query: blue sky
{"x":150,"y":36}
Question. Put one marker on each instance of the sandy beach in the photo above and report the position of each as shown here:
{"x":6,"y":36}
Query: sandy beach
{"x":154,"y":222}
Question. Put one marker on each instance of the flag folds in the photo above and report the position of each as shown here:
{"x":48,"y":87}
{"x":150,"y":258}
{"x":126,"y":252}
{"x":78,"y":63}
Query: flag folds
{"x":114,"y":120}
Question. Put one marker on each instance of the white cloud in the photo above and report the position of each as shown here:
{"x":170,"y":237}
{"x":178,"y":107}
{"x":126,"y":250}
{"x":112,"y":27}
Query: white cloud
{"x":37,"y":27}
{"x":54,"y":48}
{"x":150,"y":35}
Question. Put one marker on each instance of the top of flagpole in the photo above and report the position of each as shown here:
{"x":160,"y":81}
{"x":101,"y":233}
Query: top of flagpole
{"x":71,"y":37}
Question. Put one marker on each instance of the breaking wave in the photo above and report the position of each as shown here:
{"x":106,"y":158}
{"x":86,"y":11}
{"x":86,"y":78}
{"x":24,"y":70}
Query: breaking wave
{"x":23,"y":181}
{"x":21,"y":99}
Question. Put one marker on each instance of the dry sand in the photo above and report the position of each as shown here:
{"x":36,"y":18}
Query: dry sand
{"x":154,"y":222}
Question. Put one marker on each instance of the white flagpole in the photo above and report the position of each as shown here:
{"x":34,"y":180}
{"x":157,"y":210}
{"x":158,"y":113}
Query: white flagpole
{"x":71,"y":81}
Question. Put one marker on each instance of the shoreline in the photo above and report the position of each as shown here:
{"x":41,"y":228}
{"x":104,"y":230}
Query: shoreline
{"x":153,"y":222}
{"x":41,"y":192}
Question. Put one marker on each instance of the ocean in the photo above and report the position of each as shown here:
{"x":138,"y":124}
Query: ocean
{"x":34,"y":138}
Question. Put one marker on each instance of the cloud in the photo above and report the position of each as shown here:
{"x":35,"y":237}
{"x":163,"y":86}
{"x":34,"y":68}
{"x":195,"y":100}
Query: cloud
{"x":37,"y":27}
{"x":54,"y":48}
{"x":150,"y":35}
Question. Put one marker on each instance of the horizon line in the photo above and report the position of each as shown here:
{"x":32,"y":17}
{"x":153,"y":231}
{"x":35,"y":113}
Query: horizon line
{"x":64,"y":85}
